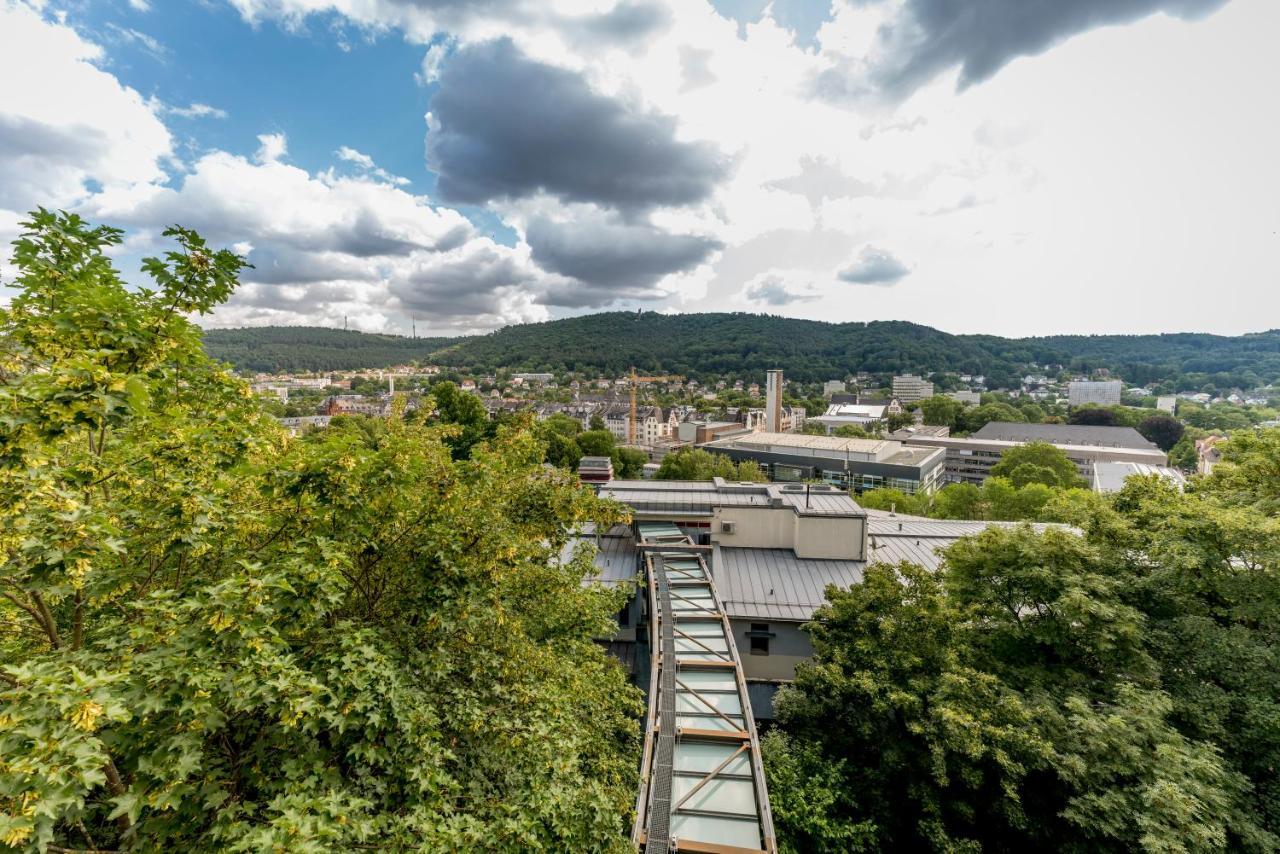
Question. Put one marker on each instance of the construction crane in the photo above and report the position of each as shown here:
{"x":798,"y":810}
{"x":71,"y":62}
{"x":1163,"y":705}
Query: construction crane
{"x":635,"y":381}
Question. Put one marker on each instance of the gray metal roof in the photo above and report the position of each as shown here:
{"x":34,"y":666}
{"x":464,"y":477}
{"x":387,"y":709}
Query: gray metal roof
{"x":774,"y":584}
{"x":1066,"y":434}
{"x":1110,"y":477}
{"x":615,"y":559}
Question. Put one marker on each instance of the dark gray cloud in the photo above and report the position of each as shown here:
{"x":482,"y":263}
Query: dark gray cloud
{"x":626,"y":23}
{"x":981,"y":37}
{"x":773,"y":290}
{"x":874,"y":267}
{"x":505,"y":126}
{"x":612,"y":260}
{"x":463,"y":283}
{"x":35,"y":155}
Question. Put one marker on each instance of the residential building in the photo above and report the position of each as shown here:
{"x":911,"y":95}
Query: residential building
{"x":852,"y":464}
{"x":831,"y":387}
{"x":297,"y":424}
{"x":1167,"y":403}
{"x":539,"y":378}
{"x":790,"y":420}
{"x":652,"y":423}
{"x":1208,"y":453}
{"x":909,"y":388}
{"x":1106,"y":393}
{"x":969,"y":397}
{"x":970,"y":460}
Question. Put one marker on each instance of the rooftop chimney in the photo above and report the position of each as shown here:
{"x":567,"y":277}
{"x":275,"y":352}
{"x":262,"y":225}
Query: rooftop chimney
{"x":773,"y":401}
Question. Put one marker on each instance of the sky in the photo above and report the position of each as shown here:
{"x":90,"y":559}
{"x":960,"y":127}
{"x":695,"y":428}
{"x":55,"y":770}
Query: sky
{"x":1012,"y":167}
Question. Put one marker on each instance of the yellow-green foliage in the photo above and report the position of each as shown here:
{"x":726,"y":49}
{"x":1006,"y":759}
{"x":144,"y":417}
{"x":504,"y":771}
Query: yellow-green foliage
{"x":215,"y":637}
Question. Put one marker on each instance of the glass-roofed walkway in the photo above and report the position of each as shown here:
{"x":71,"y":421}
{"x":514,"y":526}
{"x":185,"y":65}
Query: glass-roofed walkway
{"x":702,"y":787}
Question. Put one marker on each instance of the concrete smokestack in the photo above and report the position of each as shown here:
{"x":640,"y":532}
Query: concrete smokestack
{"x":773,"y":401}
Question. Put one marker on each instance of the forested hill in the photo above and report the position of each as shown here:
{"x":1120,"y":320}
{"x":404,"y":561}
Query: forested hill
{"x":807,"y":350}
{"x":312,"y":348}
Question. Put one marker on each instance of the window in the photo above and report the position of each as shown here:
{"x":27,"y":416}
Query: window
{"x":759,"y":637}
{"x":624,"y":616}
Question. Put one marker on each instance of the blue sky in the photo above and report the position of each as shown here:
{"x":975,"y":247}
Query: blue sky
{"x":471,"y":165}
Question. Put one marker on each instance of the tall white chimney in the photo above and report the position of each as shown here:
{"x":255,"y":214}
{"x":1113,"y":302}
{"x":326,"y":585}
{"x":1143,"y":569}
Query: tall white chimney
{"x":773,"y":401}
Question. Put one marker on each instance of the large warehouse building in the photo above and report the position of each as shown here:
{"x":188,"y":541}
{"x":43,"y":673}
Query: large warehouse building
{"x":854,"y":464}
{"x":970,"y":460}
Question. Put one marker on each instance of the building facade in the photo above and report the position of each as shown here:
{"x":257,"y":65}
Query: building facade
{"x":909,"y":388}
{"x":1082,"y":393}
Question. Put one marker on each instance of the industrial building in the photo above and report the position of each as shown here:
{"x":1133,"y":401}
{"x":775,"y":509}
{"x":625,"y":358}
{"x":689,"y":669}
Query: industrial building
{"x":853,"y":464}
{"x":772,"y":549}
{"x":1104,"y":393}
{"x":970,"y":460}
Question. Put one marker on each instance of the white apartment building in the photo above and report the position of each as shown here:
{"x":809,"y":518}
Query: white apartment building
{"x":1104,"y":393}
{"x":909,"y":388}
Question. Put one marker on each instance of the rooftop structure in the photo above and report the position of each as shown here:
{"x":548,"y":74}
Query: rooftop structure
{"x":1066,"y":434}
{"x":595,"y":469}
{"x":702,"y":781}
{"x":859,"y":414}
{"x":856,"y":464}
{"x":1110,"y":477}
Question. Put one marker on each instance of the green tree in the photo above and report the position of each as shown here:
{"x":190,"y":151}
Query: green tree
{"x":220,"y":638}
{"x":463,"y":410}
{"x":927,"y":752}
{"x":942,"y":411}
{"x":976,"y":417}
{"x":597,"y":443}
{"x":699,"y":464}
{"x":1163,"y":430}
{"x":898,"y":420}
{"x":630,"y":462}
{"x":1037,"y":462}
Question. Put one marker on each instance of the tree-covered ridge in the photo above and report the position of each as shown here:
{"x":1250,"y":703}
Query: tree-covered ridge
{"x":739,"y":343}
{"x":313,"y":348}
{"x":214,"y":637}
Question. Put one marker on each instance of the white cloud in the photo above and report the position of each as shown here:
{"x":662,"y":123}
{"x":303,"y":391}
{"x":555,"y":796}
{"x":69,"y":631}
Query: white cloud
{"x":352,"y":156}
{"x":271,"y":147}
{"x":366,"y":165}
{"x":140,"y":5}
{"x":67,"y":124}
{"x":327,"y":247}
{"x":197,"y":111}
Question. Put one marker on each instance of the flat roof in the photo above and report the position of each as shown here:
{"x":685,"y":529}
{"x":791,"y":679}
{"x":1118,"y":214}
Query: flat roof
{"x":1110,"y":477}
{"x":826,"y":447}
{"x":700,"y":497}
{"x":1066,"y":434}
